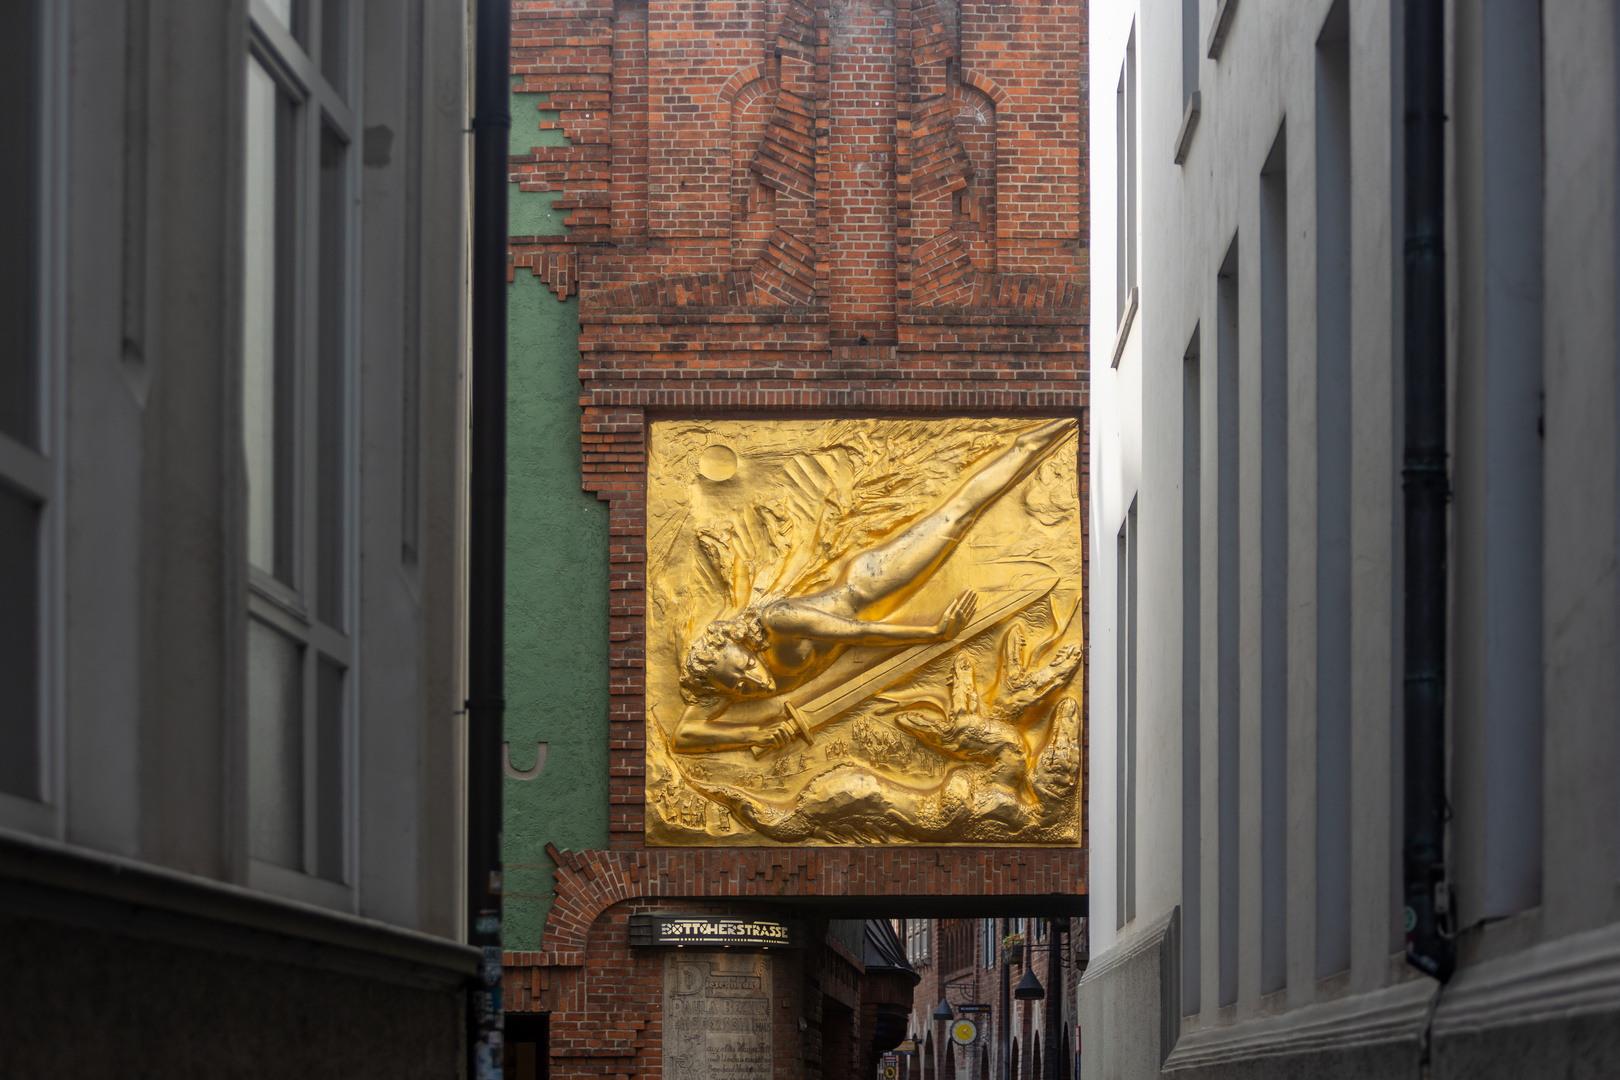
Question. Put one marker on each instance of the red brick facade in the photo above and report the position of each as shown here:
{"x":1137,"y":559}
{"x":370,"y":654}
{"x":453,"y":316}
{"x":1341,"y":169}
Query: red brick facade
{"x":789,"y":208}
{"x":963,"y":966}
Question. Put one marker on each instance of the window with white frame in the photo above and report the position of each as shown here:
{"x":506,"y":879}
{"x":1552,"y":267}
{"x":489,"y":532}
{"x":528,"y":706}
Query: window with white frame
{"x":1125,"y":180}
{"x":27,"y":468}
{"x":918,"y":942}
{"x":992,"y":942}
{"x":297,"y":402}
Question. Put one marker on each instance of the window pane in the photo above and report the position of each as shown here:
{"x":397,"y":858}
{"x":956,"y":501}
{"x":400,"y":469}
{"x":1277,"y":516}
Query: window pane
{"x":19,"y":645}
{"x":294,"y":15}
{"x":335,"y":43}
{"x":19,"y":223}
{"x":268,"y":373}
{"x":329,"y":770}
{"x":258,"y":315}
{"x":275,"y":747}
{"x":329,"y":465}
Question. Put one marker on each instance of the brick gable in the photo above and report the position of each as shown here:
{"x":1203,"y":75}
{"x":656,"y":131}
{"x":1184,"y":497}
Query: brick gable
{"x":791,"y":209}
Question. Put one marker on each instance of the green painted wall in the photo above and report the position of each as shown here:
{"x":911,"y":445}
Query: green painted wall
{"x":556,"y":609}
{"x":556,"y":574}
{"x":525,"y":132}
{"x":532,"y":214}
{"x":530,"y":211}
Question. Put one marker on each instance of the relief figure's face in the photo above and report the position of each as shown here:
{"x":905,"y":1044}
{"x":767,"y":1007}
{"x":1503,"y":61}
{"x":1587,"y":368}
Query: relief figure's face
{"x":738,"y":671}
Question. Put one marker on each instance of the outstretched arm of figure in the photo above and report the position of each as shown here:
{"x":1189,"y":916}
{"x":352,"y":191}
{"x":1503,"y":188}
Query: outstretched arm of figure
{"x":696,"y":735}
{"x":802,"y":620}
{"x":909,"y":558}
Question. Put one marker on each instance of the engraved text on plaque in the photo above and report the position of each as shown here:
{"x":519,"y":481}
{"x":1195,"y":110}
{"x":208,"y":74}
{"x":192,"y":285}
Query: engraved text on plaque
{"x":717,"y":1015}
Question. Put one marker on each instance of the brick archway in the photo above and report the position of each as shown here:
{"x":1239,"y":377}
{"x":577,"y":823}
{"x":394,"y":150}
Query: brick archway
{"x":591,"y":882}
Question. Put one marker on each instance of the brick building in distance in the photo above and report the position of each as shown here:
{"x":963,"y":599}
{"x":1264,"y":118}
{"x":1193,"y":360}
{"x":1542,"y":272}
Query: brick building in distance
{"x":959,"y":965}
{"x":767,"y":211}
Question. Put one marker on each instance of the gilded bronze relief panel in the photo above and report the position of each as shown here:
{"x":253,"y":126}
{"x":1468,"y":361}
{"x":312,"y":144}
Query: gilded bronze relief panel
{"x":863,"y":631}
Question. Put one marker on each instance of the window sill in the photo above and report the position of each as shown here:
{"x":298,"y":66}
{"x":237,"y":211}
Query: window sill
{"x":1394,"y":1014}
{"x":60,"y":881}
{"x":270,"y":878}
{"x":28,"y":816}
{"x":1125,"y":322}
{"x":1223,"y":23}
{"x":1567,"y":977}
{"x":1189,"y":124}
{"x":25,"y":468}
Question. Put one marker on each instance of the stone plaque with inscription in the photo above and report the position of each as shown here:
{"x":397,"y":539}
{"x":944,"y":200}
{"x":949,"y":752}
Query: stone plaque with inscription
{"x":717,"y":1015}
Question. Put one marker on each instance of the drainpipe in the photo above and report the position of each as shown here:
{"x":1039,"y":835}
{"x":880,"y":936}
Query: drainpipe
{"x":1052,"y":1007}
{"x":1006,"y":1004}
{"x":1429,"y":947}
{"x":486,"y":533}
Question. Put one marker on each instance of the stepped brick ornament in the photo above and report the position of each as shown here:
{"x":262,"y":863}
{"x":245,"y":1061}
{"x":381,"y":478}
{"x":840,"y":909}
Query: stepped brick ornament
{"x":861,"y":631}
{"x":907,"y":175}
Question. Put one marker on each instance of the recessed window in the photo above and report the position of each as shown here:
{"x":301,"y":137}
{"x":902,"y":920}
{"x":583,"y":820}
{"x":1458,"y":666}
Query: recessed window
{"x":919,"y":942}
{"x":1225,"y":471}
{"x":25,"y":469}
{"x":1273,"y":583}
{"x":1190,"y":100}
{"x":1334,"y":331}
{"x":297,"y":326}
{"x":276,"y":746}
{"x":1189,"y":50}
{"x":1125,"y":193}
{"x":1125,"y":714}
{"x":269,"y":327}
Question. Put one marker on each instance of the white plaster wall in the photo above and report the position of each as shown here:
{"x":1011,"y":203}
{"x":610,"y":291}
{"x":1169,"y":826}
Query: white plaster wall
{"x":1110,"y":25}
{"x":1264,"y":81}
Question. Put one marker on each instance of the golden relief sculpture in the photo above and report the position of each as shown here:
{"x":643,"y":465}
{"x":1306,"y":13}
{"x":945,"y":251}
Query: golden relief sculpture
{"x":863,"y":631}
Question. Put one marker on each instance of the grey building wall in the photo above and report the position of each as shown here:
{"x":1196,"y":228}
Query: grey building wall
{"x":140,"y":937}
{"x":1246,"y":783}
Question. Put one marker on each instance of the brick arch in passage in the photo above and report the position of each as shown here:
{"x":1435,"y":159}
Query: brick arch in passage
{"x":590,"y":882}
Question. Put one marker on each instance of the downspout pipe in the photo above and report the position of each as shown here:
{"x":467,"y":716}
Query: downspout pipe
{"x":1427,"y":489}
{"x":1006,"y":1003}
{"x":486,"y":531}
{"x":1052,"y":1007}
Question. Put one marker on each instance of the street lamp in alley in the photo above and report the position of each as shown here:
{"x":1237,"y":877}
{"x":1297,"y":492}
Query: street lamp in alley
{"x":942,"y":1015}
{"x":1029,"y":987}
